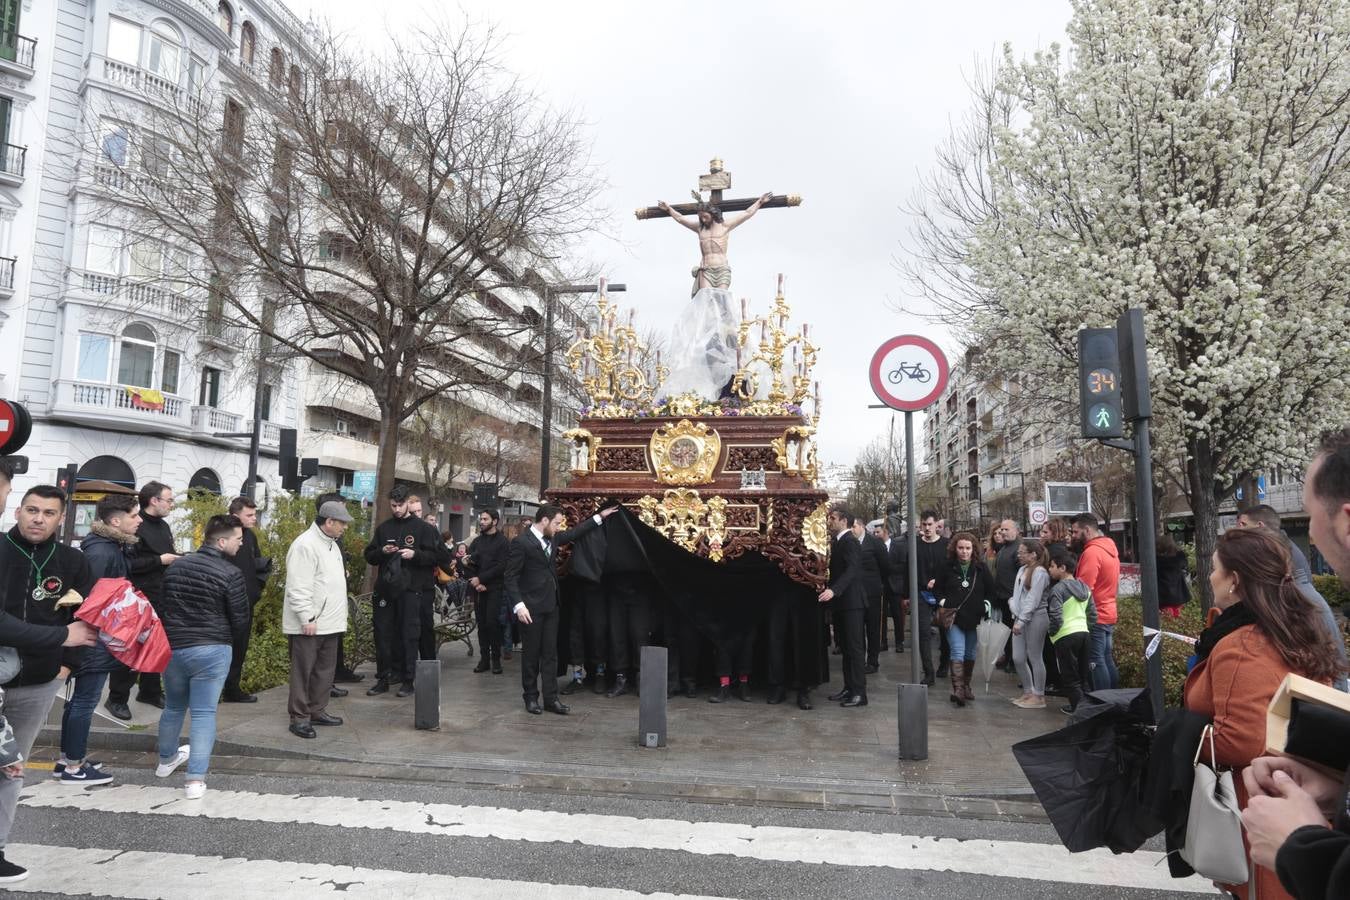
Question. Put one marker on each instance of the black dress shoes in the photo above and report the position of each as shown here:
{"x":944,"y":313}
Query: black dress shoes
{"x":238,"y":697}
{"x":620,"y":686}
{"x":598,"y":685}
{"x":871,"y":669}
{"x":379,"y":687}
{"x":404,"y":690}
{"x":336,"y":691}
{"x":839,"y":695}
{"x":497,"y":665}
{"x":558,"y":707}
{"x":777,"y":695}
{"x":743,"y":691}
{"x":347,"y":676}
{"x":533,"y":708}
{"x":118,"y":710}
{"x":721,"y":695}
{"x":325,"y":719}
{"x":804,"y":700}
{"x":157,"y":701}
{"x":855,"y":700}
{"x":303,"y":730}
{"x":573,"y":686}
{"x":691,"y":689}
{"x":483,"y":665}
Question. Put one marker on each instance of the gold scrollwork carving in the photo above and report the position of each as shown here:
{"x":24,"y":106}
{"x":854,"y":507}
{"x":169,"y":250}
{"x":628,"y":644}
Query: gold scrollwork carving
{"x":684,"y":517}
{"x":815,"y":534}
{"x":685,"y":453}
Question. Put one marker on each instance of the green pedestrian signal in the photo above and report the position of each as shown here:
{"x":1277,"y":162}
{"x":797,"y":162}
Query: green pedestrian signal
{"x":1099,"y":383}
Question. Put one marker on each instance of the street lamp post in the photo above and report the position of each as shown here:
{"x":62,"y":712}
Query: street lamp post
{"x":546,"y":411}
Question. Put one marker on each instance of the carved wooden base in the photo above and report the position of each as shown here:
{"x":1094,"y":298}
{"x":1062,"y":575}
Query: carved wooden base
{"x":683,"y":477}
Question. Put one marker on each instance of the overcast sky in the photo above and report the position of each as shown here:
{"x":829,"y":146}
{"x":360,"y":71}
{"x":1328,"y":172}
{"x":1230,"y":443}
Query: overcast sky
{"x":842,"y":103}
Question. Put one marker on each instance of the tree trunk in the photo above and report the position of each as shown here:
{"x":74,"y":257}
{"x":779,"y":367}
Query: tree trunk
{"x":1205,"y":508}
{"x":386,"y":460}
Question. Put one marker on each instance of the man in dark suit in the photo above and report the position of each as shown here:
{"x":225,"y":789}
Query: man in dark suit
{"x":532,"y":594}
{"x":897,"y":571}
{"x":875,"y":567}
{"x":845,"y":591}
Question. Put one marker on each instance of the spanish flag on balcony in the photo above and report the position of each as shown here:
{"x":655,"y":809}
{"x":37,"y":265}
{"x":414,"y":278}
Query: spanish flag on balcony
{"x":145,"y":398}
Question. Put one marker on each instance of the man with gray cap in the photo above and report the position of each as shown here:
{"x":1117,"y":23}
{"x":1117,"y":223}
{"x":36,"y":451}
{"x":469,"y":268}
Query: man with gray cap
{"x":314,"y":616}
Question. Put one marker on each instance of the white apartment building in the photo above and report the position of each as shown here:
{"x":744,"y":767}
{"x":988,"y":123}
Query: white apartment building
{"x":121,"y":370}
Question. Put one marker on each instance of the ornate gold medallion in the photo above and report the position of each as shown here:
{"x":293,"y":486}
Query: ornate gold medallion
{"x":685,"y":453}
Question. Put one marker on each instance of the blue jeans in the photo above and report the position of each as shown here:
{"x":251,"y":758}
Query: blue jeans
{"x":507,"y":620}
{"x":962,"y":642}
{"x":193,"y":681}
{"x":1103,"y":664}
{"x":78,"y":715}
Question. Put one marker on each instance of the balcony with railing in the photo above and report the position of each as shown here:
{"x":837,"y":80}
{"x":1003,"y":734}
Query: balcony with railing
{"x":146,"y":84}
{"x":13,"y":159}
{"x":128,"y":294}
{"x":117,"y":406}
{"x":18,"y":54}
{"x":208,"y":421}
{"x":7,"y":264}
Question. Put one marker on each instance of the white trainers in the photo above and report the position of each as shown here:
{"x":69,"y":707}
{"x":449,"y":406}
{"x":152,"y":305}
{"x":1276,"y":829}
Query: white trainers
{"x":194,"y":790}
{"x":165,"y":769}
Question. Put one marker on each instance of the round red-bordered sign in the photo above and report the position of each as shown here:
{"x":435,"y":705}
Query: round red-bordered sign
{"x":909,"y":372}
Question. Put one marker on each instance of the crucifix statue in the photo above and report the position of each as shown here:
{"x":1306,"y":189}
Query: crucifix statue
{"x":704,"y":217}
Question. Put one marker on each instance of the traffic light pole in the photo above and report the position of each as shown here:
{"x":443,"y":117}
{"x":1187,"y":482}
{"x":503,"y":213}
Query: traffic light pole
{"x":1147,"y":543}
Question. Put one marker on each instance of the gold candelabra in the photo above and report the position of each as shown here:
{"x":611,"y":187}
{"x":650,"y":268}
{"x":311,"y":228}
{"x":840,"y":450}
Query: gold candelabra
{"x":611,"y":363}
{"x":771,"y":353}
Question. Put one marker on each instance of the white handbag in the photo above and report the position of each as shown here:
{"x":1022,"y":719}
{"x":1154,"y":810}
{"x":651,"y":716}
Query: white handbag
{"x":1213,"y":844}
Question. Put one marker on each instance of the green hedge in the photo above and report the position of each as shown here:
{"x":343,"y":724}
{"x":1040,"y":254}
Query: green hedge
{"x":1129,"y":644}
{"x":268,"y":662}
{"x":1333,"y":588}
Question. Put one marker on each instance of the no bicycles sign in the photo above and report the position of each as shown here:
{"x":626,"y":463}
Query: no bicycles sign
{"x":909,"y":372}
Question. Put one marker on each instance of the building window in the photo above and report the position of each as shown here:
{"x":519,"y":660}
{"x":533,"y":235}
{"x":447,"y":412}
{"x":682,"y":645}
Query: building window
{"x":196,"y":75}
{"x":115,"y":143}
{"x":276,"y":68}
{"x":136,"y":357}
{"x":168,"y":382}
{"x":330,"y":246}
{"x":210,"y":391}
{"x":265,"y":403}
{"x":124,"y":42}
{"x":94,"y":357}
{"x":165,"y":54}
{"x":147,"y":260}
{"x":234,"y":127}
{"x":225,"y":18}
{"x":248,"y":43}
{"x":297,"y":82}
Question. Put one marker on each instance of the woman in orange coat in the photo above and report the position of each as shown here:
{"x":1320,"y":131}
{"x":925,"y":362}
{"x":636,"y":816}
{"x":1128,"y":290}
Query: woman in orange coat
{"x":1265,"y":629}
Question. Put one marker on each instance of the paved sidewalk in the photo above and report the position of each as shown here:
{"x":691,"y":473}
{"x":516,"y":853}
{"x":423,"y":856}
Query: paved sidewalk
{"x":731,"y":751}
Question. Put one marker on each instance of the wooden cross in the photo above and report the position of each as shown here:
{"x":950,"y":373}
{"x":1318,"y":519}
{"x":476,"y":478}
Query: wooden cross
{"x":715,"y":182}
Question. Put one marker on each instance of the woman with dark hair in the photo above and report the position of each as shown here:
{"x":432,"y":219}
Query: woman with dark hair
{"x":1173,"y":576}
{"x":1055,"y":533}
{"x":1263,"y":630}
{"x":1031,"y":622}
{"x":993,"y":545}
{"x":961,"y":589}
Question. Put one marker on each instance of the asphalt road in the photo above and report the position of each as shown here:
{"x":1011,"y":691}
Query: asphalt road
{"x":260,"y":835}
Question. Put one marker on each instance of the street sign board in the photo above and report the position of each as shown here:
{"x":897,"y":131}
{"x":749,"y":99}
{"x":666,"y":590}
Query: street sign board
{"x":1068,"y":498}
{"x":363,"y":487}
{"x":1036,"y":513}
{"x":16,"y":425}
{"x":485,"y":495}
{"x":909,"y":372}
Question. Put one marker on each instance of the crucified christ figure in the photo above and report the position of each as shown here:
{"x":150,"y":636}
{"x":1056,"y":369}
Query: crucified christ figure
{"x":713,"y":269}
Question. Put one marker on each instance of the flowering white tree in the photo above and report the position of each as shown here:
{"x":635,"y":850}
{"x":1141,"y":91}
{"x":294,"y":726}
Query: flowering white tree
{"x":1189,"y":157}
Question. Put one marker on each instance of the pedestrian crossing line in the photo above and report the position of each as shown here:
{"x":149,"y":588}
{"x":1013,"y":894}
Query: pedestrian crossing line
{"x":171,"y":876}
{"x":769,"y":843}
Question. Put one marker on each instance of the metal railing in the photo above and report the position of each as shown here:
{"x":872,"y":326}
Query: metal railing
{"x":7,"y":264}
{"x":139,"y":295}
{"x":12,"y":159}
{"x":18,"y":49}
{"x":148,"y":84}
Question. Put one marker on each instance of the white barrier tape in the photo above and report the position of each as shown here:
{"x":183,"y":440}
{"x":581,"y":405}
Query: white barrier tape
{"x":1152,"y":645}
{"x":1154,"y":632}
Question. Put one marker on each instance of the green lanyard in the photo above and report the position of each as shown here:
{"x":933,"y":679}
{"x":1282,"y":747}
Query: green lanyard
{"x":965,"y":574}
{"x":38,"y":592}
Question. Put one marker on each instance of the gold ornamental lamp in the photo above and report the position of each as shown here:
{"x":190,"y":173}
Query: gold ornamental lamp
{"x":611,"y":363}
{"x":790,"y":373}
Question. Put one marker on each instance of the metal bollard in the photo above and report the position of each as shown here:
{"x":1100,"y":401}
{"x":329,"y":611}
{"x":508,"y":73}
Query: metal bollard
{"x":427,"y":695}
{"x":913,"y":720}
{"x":652,"y":698}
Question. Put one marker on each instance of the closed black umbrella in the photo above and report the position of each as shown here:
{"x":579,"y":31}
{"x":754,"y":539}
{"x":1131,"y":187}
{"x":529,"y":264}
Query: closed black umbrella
{"x":1089,"y":775}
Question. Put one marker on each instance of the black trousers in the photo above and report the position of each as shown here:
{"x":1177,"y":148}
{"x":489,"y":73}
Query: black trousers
{"x":486,"y":606}
{"x":853,"y":642}
{"x":539,"y":655}
{"x":783,"y":641}
{"x":588,"y":635}
{"x":121,"y":679}
{"x":735,"y":654}
{"x":388,"y":644}
{"x":681,"y":640}
{"x":630,"y":627}
{"x":237,"y":660}
{"x":872,"y":628}
{"x":944,"y":649}
{"x":418,"y":630}
{"x":923,"y":641}
{"x":1074,"y":659}
{"x":893,"y":609}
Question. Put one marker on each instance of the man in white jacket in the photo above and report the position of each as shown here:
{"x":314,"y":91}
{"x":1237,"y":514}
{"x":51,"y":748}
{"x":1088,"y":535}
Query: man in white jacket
{"x":314,"y":616}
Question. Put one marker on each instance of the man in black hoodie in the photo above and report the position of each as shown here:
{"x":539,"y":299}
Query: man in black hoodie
{"x":407,"y":550}
{"x":155,"y":550}
{"x":486,"y":567}
{"x":255,"y":568}
{"x":35,"y":572}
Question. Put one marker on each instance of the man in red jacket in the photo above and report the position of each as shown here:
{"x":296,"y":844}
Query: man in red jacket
{"x":1099,"y":569}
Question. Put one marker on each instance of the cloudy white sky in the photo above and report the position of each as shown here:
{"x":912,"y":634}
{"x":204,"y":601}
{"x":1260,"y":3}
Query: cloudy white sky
{"x":842,"y":103}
